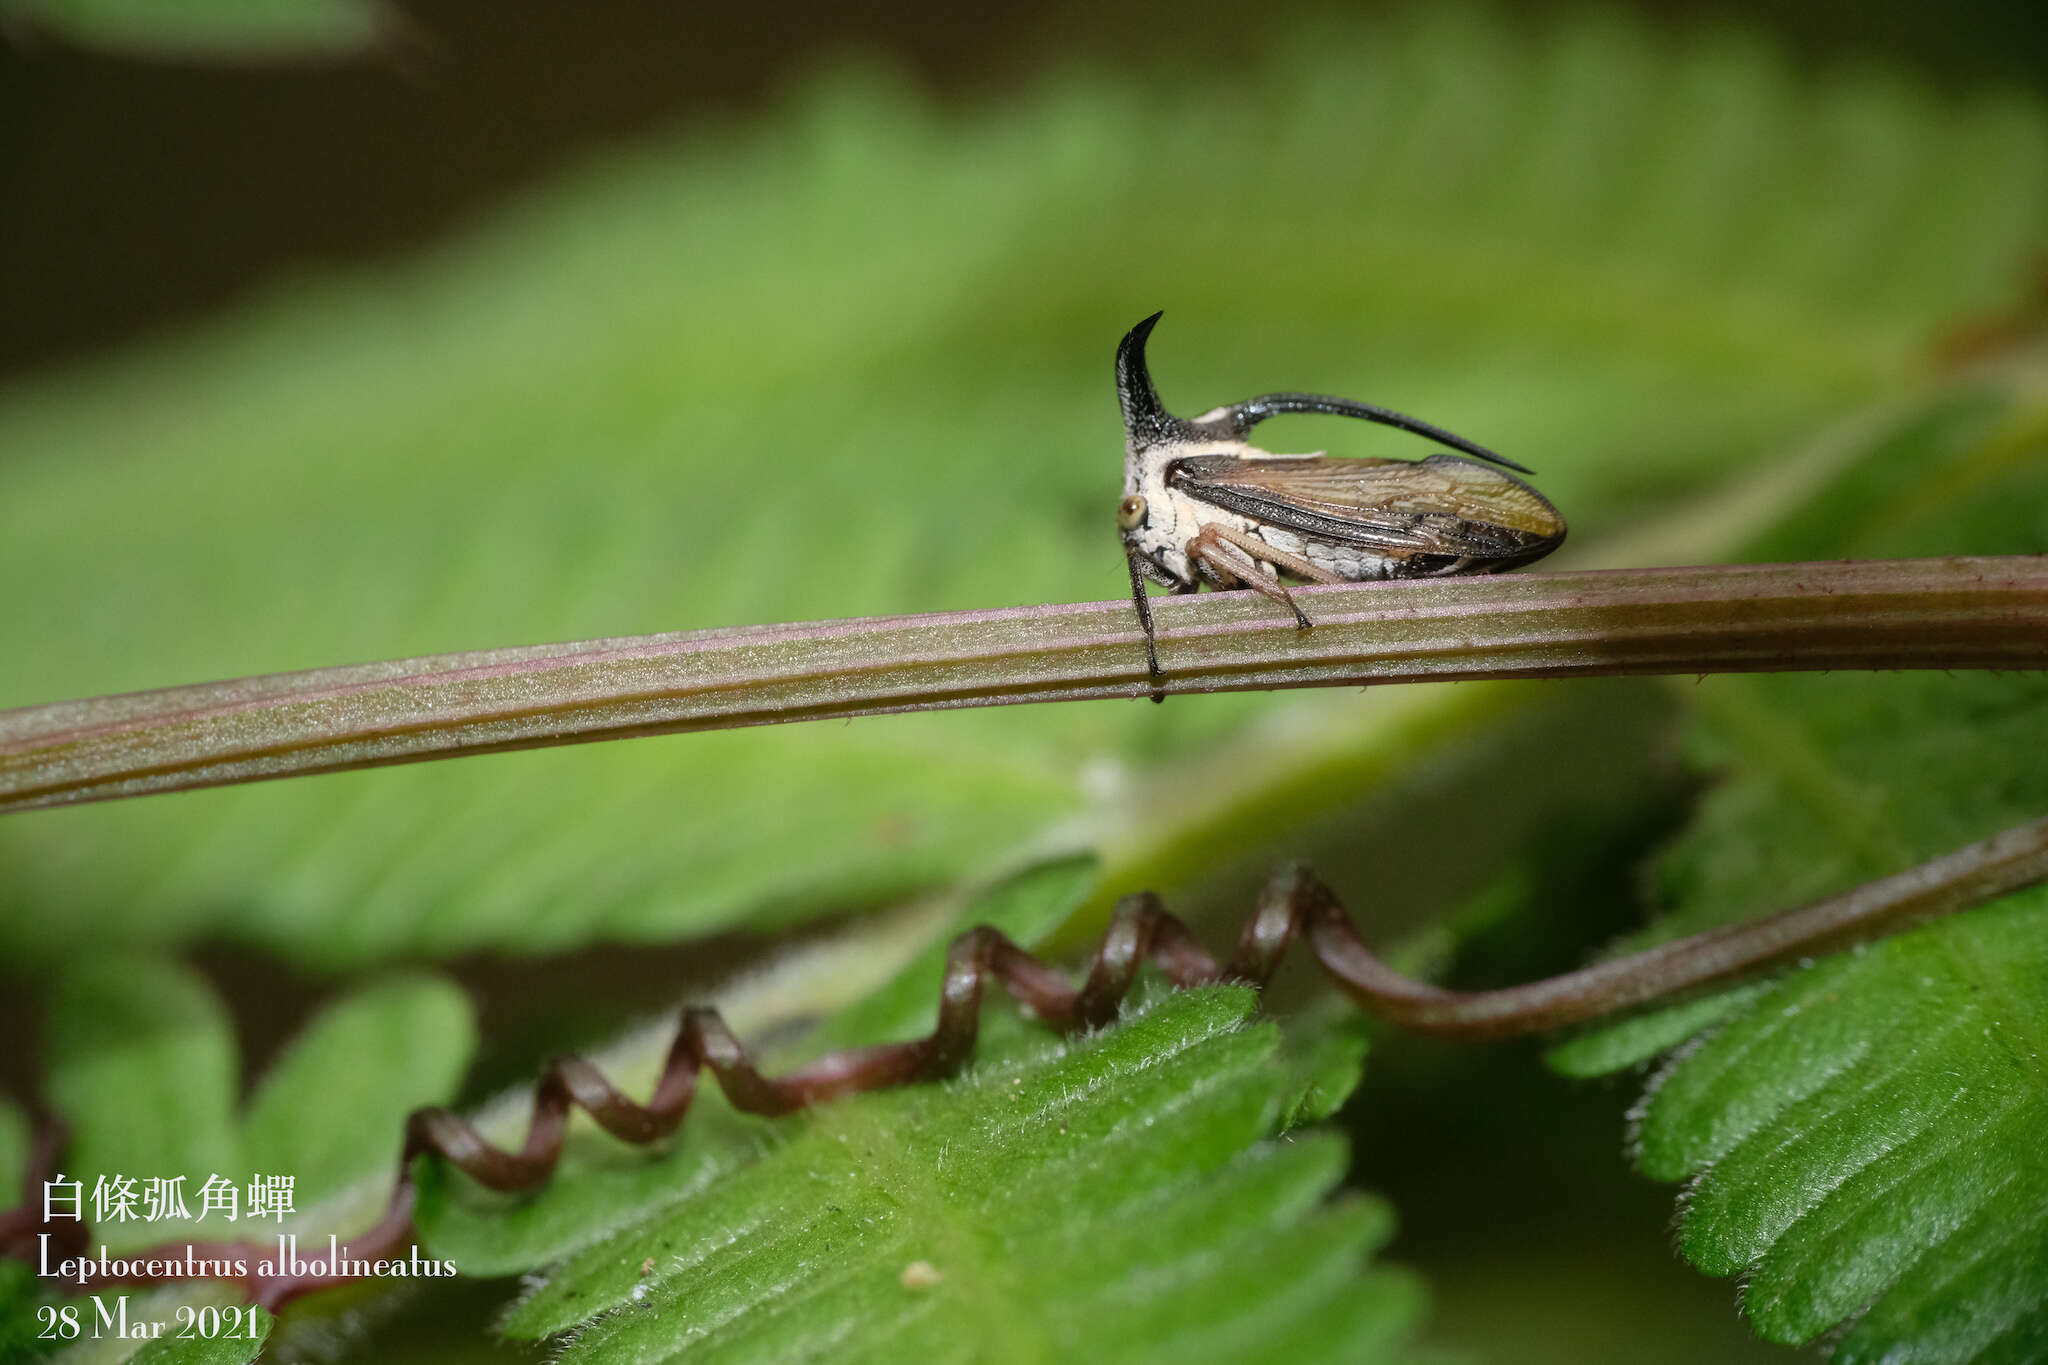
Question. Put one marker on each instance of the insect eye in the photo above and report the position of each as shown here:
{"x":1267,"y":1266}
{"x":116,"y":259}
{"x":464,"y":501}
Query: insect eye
{"x":1130,"y":513}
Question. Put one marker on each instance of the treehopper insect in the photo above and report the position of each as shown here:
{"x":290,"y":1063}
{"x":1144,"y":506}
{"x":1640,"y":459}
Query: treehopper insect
{"x":1201,"y":504}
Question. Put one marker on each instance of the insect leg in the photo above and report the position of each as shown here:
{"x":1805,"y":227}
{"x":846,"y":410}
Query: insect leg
{"x":1237,"y":555}
{"x":1260,"y":550}
{"x":1143,"y":602}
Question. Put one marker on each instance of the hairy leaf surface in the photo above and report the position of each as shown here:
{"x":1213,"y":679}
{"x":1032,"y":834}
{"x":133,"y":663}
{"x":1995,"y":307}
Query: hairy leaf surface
{"x":1862,"y":1136}
{"x":601,"y":1185}
{"x":1116,"y":1198}
{"x":199,"y":1350}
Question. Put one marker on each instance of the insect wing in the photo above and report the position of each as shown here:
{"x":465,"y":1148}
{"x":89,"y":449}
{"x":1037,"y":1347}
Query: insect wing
{"x":1443,"y":505}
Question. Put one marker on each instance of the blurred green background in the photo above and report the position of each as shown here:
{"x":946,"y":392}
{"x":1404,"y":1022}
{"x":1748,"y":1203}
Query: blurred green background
{"x":149,"y":175}
{"x":534,"y":322}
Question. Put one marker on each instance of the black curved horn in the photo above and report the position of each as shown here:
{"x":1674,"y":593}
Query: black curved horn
{"x":1239,"y":418}
{"x":1147,"y":423}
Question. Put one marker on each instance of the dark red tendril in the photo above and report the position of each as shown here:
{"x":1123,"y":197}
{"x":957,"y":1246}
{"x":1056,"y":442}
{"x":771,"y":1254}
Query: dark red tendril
{"x":1294,"y":905}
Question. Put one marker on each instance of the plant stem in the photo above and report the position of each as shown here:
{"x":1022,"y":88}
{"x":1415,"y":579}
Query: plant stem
{"x":1925,"y":613}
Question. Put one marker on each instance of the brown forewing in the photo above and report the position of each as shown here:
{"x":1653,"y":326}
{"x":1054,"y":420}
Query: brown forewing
{"x":1443,"y":505}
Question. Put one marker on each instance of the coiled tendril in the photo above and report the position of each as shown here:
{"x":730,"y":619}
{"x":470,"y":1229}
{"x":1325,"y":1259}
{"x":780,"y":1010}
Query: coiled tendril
{"x":1294,"y":905}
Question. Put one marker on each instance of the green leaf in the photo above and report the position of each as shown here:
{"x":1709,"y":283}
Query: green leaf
{"x":217,"y":1350}
{"x":21,"y":1326}
{"x":1617,"y":1047}
{"x":1325,"y":1055}
{"x":1029,"y":906}
{"x":213,"y":30}
{"x":14,"y":1145}
{"x":335,"y":1103}
{"x":143,"y":1066}
{"x":21,"y":1293}
{"x":599,"y":1185}
{"x":796,"y":371}
{"x":1161,"y":1222}
{"x":1862,"y":1135}
{"x":1114,"y":1197}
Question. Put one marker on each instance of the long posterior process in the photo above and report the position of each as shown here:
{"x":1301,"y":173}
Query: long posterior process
{"x":1294,"y":906}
